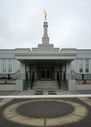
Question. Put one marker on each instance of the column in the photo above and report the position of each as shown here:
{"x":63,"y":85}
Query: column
{"x":22,"y":70}
{"x":65,"y":70}
{"x":34,"y":69}
{"x":68,"y":70}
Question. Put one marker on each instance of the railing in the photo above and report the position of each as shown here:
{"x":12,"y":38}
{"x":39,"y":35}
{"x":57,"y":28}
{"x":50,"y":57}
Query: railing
{"x":78,"y":76}
{"x":28,"y":76}
{"x":32,"y":80}
{"x":8,"y":76}
{"x":59,"y":80}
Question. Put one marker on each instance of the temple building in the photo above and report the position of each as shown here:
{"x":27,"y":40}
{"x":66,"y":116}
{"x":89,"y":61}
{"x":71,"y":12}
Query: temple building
{"x":45,"y":67}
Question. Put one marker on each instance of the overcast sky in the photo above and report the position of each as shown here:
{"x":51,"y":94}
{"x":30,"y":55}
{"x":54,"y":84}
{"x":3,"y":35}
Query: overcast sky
{"x":21,"y":23}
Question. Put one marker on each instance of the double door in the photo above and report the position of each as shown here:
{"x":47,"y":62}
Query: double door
{"x":45,"y":74}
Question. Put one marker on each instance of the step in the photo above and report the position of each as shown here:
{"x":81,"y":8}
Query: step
{"x":45,"y":85}
{"x":45,"y":82}
{"x":39,"y":81}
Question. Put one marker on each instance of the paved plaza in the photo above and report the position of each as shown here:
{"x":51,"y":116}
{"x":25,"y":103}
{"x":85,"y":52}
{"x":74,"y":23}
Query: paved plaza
{"x":45,"y":112}
{"x":44,"y":92}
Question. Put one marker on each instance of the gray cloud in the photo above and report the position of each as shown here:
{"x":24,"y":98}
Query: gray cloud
{"x":21,"y":23}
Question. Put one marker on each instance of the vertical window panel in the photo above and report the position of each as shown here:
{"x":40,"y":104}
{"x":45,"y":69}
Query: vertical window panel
{"x":86,"y":65}
{"x":4,"y":65}
{"x":10,"y":66}
{"x":81,"y":66}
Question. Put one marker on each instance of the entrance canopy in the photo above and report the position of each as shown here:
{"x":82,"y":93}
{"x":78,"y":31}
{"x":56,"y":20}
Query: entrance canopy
{"x":27,"y":54}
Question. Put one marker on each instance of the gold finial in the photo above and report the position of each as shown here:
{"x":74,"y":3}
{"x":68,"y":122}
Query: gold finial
{"x":45,"y":14}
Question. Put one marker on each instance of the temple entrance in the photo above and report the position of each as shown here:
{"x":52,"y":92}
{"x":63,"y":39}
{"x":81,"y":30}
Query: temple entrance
{"x":45,"y":74}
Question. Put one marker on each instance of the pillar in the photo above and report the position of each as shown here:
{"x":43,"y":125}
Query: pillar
{"x":68,"y":70}
{"x":65,"y":70}
{"x":22,"y":71}
{"x":34,"y":69}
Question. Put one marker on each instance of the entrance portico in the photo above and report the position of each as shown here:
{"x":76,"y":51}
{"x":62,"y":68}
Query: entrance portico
{"x":46,"y":70}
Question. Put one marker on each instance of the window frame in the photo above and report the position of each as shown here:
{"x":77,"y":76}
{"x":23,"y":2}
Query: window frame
{"x":81,"y":66}
{"x":4,"y":65}
{"x":10,"y":65}
{"x":87,"y":65}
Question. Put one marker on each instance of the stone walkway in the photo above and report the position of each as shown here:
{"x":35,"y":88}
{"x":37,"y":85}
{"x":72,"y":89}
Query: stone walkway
{"x":44,"y":92}
{"x":52,"y":92}
{"x":63,"y":112}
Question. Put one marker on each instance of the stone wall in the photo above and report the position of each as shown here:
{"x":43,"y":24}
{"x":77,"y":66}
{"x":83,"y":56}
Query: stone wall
{"x":73,"y":86}
{"x":17,"y":85}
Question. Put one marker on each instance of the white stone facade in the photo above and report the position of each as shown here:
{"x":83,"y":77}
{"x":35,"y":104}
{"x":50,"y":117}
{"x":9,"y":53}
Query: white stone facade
{"x":75,"y":64}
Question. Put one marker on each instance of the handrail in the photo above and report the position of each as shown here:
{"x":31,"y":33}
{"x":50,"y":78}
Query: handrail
{"x":9,"y":75}
{"x":32,"y":80}
{"x":78,"y":76}
{"x":59,"y":80}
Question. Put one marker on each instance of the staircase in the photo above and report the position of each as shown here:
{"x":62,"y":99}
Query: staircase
{"x":42,"y":85}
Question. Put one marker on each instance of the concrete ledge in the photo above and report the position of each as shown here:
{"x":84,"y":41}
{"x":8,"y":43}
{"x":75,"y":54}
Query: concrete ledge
{"x":7,"y":87}
{"x":83,"y":87}
{"x":72,"y":86}
{"x":17,"y":87}
{"x":20,"y":85}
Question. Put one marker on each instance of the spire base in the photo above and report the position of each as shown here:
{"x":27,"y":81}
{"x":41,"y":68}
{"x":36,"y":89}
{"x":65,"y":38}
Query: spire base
{"x":45,"y":40}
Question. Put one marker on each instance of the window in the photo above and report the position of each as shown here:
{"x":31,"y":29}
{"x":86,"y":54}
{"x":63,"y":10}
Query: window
{"x":10,"y":66}
{"x":86,"y":65}
{"x":4,"y":65}
{"x":81,"y":66}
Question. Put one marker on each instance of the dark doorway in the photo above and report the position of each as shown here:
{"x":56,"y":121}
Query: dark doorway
{"x":45,"y":74}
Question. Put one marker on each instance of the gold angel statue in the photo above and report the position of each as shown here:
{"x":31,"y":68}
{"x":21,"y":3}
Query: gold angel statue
{"x":45,"y":14}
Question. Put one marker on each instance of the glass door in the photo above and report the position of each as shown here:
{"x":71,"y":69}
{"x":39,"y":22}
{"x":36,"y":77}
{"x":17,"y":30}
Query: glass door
{"x":45,"y":74}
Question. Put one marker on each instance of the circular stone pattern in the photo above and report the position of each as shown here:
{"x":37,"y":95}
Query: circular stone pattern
{"x":11,"y":114}
{"x":45,"y":109}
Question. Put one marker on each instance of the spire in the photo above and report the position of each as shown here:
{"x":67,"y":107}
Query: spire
{"x":45,"y":38}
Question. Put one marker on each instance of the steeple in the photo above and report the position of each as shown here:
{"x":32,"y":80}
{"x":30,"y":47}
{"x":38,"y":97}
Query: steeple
{"x":45,"y":47}
{"x":45,"y":38}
